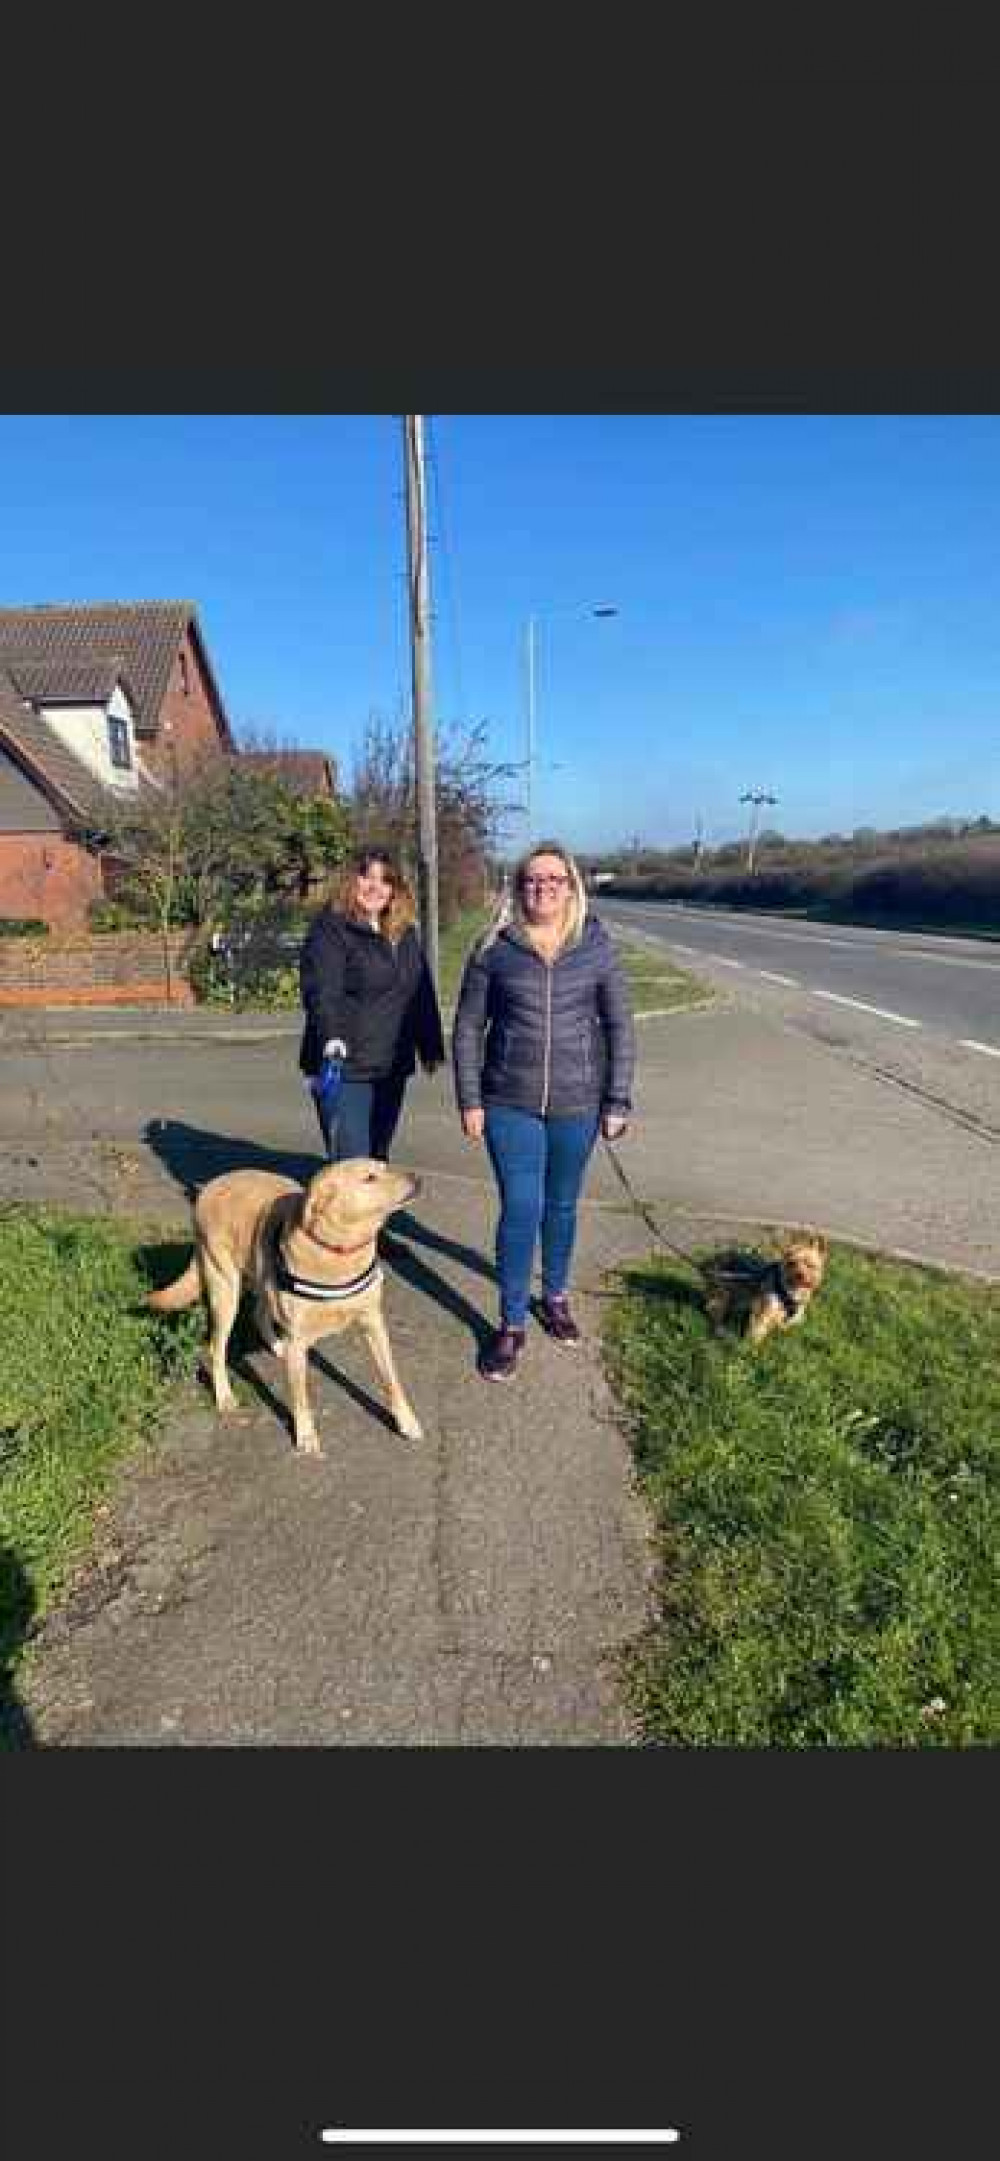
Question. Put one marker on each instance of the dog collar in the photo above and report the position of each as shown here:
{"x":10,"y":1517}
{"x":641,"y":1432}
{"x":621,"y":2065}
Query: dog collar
{"x":328,"y":1248}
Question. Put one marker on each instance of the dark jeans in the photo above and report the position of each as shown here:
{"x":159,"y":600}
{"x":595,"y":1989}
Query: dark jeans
{"x":539,"y":1165}
{"x":366,"y":1118}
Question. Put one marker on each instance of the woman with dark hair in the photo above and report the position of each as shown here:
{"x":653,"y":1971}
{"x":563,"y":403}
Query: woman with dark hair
{"x":544,"y":1048}
{"x":370,"y":1004}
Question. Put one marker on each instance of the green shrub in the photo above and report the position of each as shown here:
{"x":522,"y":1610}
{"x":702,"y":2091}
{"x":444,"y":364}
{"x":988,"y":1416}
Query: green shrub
{"x":111,"y":915}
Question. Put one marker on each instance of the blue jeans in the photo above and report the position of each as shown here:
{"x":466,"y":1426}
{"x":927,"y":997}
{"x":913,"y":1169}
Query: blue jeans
{"x":538,"y":1164}
{"x":366,"y":1118}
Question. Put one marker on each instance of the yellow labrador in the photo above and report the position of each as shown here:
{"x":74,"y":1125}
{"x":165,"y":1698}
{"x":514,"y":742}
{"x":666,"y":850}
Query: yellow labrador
{"x":309,"y":1254}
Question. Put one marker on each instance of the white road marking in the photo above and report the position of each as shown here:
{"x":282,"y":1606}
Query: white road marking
{"x":835,"y":998}
{"x":790,"y":982}
{"x":339,"y":2135}
{"x":866,"y":940}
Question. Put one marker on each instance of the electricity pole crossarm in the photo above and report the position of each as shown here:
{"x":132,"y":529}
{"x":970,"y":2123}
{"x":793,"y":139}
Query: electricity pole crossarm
{"x":423,"y":733}
{"x":754,"y":796}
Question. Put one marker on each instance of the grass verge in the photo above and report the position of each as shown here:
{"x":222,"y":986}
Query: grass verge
{"x":827,"y":1511}
{"x":656,"y":985}
{"x":454,"y":947}
{"x":86,"y":1370}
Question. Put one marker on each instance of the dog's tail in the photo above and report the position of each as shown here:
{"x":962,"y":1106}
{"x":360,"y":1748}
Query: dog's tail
{"x":184,"y":1291}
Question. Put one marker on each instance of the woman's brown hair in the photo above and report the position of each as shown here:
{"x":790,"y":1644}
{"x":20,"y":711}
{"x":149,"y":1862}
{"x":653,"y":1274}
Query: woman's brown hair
{"x":342,"y":896}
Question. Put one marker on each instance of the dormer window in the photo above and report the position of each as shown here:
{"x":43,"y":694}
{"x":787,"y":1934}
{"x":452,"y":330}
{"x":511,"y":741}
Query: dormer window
{"x":118,"y":743}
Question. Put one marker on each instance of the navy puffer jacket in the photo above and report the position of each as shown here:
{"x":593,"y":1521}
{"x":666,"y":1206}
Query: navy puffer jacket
{"x":555,"y":1038}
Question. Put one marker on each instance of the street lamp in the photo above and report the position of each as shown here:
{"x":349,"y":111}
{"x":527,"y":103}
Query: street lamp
{"x":601,"y":612}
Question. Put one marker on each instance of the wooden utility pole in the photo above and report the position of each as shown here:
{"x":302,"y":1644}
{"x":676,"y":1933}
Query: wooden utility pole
{"x":755,"y":796}
{"x":423,"y":731}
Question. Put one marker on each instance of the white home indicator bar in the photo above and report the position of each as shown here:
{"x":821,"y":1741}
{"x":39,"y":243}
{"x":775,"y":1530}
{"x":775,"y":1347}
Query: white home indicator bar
{"x":339,"y":2135}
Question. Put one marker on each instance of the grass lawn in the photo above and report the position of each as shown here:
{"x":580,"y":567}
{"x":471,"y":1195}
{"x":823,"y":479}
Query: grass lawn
{"x":827,"y":1510}
{"x":85,"y":1371}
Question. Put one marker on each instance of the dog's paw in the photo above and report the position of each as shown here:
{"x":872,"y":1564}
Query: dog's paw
{"x":409,"y":1425}
{"x":307,"y":1441}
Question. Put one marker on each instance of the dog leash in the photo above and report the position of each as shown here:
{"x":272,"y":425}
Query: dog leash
{"x":649,"y":1219}
{"x":715,"y":1273}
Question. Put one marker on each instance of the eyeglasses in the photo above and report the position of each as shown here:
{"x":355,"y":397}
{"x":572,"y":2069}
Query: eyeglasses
{"x":536,"y":884}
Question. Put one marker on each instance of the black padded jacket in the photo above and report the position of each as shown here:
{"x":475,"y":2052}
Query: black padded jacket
{"x":377,"y":997}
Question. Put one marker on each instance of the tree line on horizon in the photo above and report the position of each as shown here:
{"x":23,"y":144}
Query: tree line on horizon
{"x":942,"y":872}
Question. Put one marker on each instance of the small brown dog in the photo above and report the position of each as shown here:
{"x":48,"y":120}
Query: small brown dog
{"x":772,"y":1297}
{"x":309,"y":1254}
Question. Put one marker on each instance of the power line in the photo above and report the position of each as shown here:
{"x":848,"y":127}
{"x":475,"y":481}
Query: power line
{"x":446,"y":556}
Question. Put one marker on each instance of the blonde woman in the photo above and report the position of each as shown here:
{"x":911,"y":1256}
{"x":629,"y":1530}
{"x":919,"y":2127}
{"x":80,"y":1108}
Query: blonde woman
{"x":370,"y":1004}
{"x":544,"y":1050}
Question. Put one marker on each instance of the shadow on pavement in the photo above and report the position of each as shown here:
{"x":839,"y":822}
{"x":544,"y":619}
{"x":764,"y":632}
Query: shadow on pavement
{"x":406,"y":1226}
{"x":411,"y":1269}
{"x":193,"y":1156}
{"x":17,"y":1608}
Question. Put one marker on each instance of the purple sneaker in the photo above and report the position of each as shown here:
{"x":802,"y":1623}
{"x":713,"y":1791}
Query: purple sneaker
{"x":557,"y":1319}
{"x":500,"y":1357}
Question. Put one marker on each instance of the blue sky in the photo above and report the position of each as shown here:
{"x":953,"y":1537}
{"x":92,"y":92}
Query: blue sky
{"x":807,"y":604}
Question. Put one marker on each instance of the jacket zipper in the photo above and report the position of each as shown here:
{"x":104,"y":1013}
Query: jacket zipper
{"x":547,"y":965}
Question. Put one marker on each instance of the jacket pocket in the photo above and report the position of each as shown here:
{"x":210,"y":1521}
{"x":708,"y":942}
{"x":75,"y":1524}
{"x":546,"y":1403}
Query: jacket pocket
{"x":587,"y":1052}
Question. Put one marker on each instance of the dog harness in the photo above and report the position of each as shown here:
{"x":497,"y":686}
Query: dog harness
{"x":790,"y":1303}
{"x":322,"y":1293}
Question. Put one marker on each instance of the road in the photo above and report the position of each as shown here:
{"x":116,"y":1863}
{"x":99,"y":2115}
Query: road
{"x":951,"y":985}
{"x":925,"y":1008}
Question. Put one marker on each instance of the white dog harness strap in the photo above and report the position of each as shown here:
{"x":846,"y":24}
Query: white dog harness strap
{"x":324,"y":1293}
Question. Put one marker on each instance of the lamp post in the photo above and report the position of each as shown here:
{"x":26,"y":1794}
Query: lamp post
{"x":601,"y":612}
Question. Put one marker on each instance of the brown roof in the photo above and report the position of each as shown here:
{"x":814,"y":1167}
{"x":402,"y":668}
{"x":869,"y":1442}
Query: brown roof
{"x":88,"y":679}
{"x":307,"y":772}
{"x":142,"y":635}
{"x":46,"y":758}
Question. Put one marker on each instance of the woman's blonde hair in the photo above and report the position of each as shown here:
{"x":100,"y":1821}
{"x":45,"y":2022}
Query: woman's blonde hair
{"x":342,"y":896}
{"x":511,"y":907}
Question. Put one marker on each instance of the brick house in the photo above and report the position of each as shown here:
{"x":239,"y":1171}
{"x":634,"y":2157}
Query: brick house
{"x":94,"y":699}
